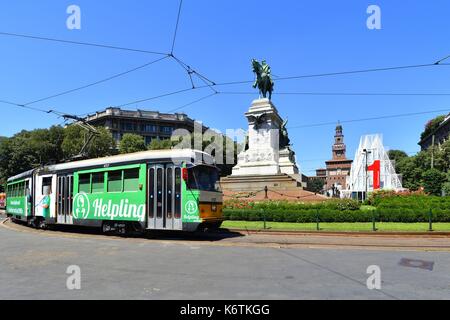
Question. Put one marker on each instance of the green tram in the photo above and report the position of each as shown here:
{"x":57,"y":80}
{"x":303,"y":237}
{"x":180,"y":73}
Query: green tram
{"x":150,"y":190}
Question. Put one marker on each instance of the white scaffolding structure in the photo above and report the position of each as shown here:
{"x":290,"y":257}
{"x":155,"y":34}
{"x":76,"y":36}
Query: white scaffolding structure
{"x":360,"y":180}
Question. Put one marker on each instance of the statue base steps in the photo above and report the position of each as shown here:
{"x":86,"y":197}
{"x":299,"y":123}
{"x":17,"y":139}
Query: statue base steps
{"x":278,"y":182}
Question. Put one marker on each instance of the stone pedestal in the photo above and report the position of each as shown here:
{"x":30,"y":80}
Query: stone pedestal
{"x":263,"y":157}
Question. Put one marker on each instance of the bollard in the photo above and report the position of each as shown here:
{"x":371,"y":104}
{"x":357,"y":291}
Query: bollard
{"x":374,"y":227}
{"x":430,"y":220}
{"x":264,"y":218}
{"x":317,"y":220}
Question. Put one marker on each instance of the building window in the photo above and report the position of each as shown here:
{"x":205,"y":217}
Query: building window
{"x":167,"y":130}
{"x":148,"y":139}
{"x":128,"y":126}
{"x":149,"y":128}
{"x":116,"y":136}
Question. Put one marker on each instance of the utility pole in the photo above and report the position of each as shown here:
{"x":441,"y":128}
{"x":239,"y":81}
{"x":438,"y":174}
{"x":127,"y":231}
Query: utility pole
{"x":366,"y":175}
{"x":432,"y":151}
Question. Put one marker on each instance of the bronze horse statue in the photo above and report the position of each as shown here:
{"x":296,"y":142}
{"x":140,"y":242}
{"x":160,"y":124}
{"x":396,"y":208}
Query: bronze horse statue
{"x":263,"y":80}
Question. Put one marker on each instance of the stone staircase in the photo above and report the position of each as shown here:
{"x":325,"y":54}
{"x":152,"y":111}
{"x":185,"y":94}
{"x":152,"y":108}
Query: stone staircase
{"x":278,"y":182}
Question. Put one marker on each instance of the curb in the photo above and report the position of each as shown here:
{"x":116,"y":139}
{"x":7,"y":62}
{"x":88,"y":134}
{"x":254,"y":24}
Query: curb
{"x":433,"y":234}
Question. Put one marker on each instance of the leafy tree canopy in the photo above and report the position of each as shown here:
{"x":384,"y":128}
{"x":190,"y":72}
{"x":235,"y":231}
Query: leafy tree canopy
{"x":432,"y":125}
{"x":132,"y":143}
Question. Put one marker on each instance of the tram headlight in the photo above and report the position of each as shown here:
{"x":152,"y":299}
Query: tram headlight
{"x":213,"y":207}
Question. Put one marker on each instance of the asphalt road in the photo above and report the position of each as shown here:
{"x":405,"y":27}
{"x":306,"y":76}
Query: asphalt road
{"x":33,"y":265}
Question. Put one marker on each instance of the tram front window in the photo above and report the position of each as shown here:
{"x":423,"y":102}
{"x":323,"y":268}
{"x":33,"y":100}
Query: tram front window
{"x":203,"y":178}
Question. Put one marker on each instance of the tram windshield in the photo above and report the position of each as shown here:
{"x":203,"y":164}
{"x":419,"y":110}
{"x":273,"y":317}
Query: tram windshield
{"x":204,"y":178}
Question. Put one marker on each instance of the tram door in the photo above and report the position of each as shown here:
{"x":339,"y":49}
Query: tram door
{"x":64,"y":198}
{"x":164,"y":197}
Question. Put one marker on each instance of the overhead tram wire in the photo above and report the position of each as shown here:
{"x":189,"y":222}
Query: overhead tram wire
{"x":190,"y":71}
{"x":193,"y":102}
{"x":370,"y":119}
{"x":437,"y":63}
{"x":97,"y":82}
{"x":157,"y":97}
{"x":81,"y":43}
{"x":176,"y":27}
{"x":295,"y":77}
{"x":329,"y":74}
{"x":49,"y":111}
{"x":343,"y":93}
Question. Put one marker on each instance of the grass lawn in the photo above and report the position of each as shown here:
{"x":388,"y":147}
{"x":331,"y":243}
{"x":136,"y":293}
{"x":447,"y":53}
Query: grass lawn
{"x":357,"y":226}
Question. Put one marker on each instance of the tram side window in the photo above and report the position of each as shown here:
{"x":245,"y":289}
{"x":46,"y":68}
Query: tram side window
{"x":115,"y":181}
{"x":26,"y":189}
{"x":84,"y":183}
{"x":98,"y":182}
{"x":131,"y":180}
{"x":177,"y":193}
{"x":47,"y":182}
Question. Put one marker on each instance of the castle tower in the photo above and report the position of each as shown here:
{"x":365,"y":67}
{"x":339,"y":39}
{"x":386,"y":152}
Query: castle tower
{"x":339,"y":147}
{"x":338,"y":168}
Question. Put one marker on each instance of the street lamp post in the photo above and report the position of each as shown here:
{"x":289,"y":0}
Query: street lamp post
{"x":366,"y":153}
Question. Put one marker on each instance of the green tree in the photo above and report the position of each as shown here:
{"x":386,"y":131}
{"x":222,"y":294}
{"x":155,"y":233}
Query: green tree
{"x":411,"y":174}
{"x":29,"y":149}
{"x":432,"y":125}
{"x":396,"y":156}
{"x":158,"y":144}
{"x":315,"y":185}
{"x":446,"y":186}
{"x":101,"y":145}
{"x":433,"y":181}
{"x":132,"y":143}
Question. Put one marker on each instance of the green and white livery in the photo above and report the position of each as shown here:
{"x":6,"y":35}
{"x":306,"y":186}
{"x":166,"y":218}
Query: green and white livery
{"x":151,"y":190}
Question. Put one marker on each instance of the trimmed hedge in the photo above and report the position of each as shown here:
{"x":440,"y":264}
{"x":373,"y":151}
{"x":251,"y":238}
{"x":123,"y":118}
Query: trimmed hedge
{"x":410,"y":201}
{"x":310,"y":216}
{"x":389,"y":207}
{"x":344,"y":204}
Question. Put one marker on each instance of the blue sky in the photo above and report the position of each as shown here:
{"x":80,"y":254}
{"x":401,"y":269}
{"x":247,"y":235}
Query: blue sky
{"x":219,"y":38}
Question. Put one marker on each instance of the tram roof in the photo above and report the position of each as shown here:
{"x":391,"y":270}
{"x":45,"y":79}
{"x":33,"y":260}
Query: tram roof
{"x":164,"y":155}
{"x":22,"y":175}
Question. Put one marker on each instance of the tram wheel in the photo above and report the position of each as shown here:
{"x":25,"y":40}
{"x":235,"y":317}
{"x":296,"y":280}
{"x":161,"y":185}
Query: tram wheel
{"x":41,"y":224}
{"x":106,"y":228}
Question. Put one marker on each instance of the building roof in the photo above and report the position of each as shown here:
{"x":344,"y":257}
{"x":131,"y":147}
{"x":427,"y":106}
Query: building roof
{"x":138,"y":114}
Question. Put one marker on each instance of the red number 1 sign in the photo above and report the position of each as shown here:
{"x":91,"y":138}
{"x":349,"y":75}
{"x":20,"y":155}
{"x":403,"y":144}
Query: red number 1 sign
{"x":375,"y":167}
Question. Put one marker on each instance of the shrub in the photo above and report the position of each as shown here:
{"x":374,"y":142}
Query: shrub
{"x":390,"y":207}
{"x":310,"y":216}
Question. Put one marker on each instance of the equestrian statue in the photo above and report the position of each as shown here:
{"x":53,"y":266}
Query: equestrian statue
{"x":263,"y":79}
